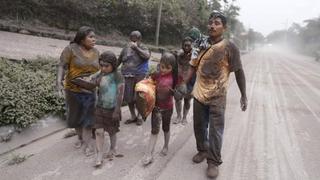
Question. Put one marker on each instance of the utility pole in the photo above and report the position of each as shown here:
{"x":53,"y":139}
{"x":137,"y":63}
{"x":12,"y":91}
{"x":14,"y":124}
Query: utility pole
{"x":158,"y":22}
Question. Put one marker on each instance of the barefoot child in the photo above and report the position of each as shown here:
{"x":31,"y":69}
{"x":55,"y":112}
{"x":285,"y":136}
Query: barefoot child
{"x":166,"y":81}
{"x":108,"y":112}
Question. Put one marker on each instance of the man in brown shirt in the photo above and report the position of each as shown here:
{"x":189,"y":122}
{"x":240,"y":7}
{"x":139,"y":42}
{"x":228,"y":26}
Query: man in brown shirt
{"x":212,"y":61}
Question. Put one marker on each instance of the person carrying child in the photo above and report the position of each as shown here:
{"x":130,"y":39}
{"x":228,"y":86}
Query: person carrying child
{"x":165,"y":81}
{"x":108,"y":108}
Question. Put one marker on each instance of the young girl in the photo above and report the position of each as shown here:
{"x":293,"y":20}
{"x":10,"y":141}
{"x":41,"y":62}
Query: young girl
{"x":108,"y":108}
{"x":166,"y":81}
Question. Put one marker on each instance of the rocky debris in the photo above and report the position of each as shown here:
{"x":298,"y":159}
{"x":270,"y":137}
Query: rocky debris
{"x":6,"y":132}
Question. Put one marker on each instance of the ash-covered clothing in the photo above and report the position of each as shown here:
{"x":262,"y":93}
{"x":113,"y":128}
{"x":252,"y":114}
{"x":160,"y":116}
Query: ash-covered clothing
{"x":214,"y":64}
{"x":212,"y":117}
{"x":130,"y":95}
{"x":80,"y":109}
{"x":132,"y":62}
{"x":143,"y":68}
{"x":77,"y":64}
{"x":108,"y":89}
{"x":158,"y":116}
{"x":104,"y":119}
{"x":198,"y":45}
{"x":164,"y":86}
{"x":107,"y":101}
{"x":183,"y":60}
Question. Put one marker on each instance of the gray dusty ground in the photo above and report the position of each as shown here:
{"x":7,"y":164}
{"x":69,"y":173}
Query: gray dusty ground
{"x":19,"y":46}
{"x":277,"y":138}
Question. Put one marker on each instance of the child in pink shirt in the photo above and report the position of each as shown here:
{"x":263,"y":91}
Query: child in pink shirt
{"x":166,"y":81}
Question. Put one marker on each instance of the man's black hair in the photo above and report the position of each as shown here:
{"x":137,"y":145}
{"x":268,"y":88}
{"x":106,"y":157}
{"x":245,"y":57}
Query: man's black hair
{"x":186,"y":39}
{"x":217,"y":14}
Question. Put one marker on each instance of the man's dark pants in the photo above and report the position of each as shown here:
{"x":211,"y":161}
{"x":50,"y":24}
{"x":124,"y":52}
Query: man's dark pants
{"x":212,"y":116}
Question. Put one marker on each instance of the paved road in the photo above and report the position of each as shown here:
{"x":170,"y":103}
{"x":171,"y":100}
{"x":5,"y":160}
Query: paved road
{"x":20,"y":46}
{"x":277,"y":138}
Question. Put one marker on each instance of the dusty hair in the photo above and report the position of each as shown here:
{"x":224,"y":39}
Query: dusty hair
{"x":109,"y":57}
{"x":136,"y":34}
{"x":169,"y":59}
{"x":217,"y":14}
{"x":82,"y":33}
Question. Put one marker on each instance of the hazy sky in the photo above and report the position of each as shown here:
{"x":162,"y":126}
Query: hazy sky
{"x":267,"y":15}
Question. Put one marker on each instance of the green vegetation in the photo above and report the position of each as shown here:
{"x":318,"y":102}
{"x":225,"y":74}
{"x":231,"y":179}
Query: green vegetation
{"x":111,"y":17}
{"x":17,"y":159}
{"x":27,"y":91}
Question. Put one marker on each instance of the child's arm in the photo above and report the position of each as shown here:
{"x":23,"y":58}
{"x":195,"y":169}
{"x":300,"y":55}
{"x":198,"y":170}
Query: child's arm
{"x":86,"y":82}
{"x":120,"y":91}
{"x":96,"y":78}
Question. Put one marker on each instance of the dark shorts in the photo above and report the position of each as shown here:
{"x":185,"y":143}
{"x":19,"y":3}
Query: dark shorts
{"x":130,"y":83}
{"x":103,"y":119}
{"x":80,"y":109}
{"x":159,"y":115}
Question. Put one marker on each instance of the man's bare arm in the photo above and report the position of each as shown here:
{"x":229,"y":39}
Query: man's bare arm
{"x":241,"y":81}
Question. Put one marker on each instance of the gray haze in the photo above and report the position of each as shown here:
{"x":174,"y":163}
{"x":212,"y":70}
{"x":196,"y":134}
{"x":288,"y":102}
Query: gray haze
{"x":266,"y":16}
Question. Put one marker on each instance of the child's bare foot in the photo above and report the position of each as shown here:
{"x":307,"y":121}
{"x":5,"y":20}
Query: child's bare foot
{"x":147,"y":159}
{"x":184,"y":121}
{"x":88,"y":151}
{"x":164,"y":151}
{"x":99,"y":160}
{"x":177,"y":120}
{"x":98,"y":164}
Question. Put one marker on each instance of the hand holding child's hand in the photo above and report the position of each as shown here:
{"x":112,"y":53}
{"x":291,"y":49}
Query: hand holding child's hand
{"x":97,"y":80}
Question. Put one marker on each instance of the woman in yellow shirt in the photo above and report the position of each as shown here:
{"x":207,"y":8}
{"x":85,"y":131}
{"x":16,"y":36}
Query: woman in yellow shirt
{"x":79,"y":59}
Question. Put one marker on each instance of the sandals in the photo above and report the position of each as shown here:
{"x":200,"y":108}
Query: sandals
{"x":129,"y":121}
{"x":138,"y":121}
